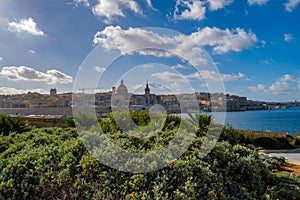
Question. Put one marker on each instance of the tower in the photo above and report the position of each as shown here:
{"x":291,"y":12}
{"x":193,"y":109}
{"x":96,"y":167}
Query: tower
{"x":147,"y":89}
{"x":53,"y":91}
{"x":147,"y":93}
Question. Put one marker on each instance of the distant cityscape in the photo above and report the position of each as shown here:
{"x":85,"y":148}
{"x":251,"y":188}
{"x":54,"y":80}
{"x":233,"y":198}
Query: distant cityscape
{"x":61,"y":104}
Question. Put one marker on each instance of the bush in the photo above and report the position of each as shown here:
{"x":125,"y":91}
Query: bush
{"x":11,"y":124}
{"x":54,"y":164}
{"x":236,"y":136}
{"x":273,"y":143}
{"x":70,"y":122}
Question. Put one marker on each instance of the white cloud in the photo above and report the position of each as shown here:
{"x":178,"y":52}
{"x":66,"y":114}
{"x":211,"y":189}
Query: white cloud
{"x":30,"y":74}
{"x":126,"y":40}
{"x":202,"y":75}
{"x":189,"y":47}
{"x":10,"y":90}
{"x":114,"y":8}
{"x":268,"y":61}
{"x":25,"y":25}
{"x":280,"y":87}
{"x":219,"y":4}
{"x":149,"y":3}
{"x":257,"y":2}
{"x":85,"y":3}
{"x":263,"y":43}
{"x":259,"y":87}
{"x":195,"y":10}
{"x":287,"y":77}
{"x":224,"y":41}
{"x":215,"y":76}
{"x":179,"y":66}
{"x":290,"y":5}
{"x":100,"y":69}
{"x":1,"y":59}
{"x":31,"y":51}
{"x":170,"y":77}
{"x":56,"y":76}
{"x":288,"y":37}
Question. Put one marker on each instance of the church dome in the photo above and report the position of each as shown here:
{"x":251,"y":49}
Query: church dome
{"x":122,"y":89}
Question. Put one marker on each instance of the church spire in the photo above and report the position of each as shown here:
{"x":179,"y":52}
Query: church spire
{"x":147,"y":93}
{"x":147,"y":89}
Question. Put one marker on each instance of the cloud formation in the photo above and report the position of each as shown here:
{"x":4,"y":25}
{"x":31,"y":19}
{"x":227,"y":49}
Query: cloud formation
{"x":196,"y":9}
{"x":29,"y":74}
{"x":114,"y":8}
{"x":202,"y":76}
{"x":221,"y":41}
{"x":25,"y":25}
{"x":170,"y":77}
{"x":100,"y":69}
{"x":290,"y":5}
{"x":10,"y":90}
{"x":287,"y":77}
{"x":85,"y":3}
{"x":280,"y":87}
{"x":259,"y":87}
{"x":31,"y":51}
{"x":284,"y":85}
{"x":218,"y":4}
{"x":215,"y":76}
{"x":224,"y":41}
{"x":257,"y":2}
{"x":288,"y":37}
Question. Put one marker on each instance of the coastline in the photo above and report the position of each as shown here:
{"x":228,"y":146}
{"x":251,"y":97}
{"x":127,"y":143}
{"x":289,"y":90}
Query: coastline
{"x":291,"y":156}
{"x":297,"y":150}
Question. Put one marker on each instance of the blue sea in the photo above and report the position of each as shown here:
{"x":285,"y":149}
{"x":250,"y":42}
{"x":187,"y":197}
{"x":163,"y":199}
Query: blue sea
{"x":281,"y":120}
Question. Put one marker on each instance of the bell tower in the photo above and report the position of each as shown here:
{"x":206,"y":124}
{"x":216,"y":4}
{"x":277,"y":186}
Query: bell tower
{"x":147,"y":93}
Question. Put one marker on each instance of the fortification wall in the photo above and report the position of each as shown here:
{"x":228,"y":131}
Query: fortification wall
{"x":36,"y":111}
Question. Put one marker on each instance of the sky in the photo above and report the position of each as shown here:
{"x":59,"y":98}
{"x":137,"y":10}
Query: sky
{"x":241,"y":47}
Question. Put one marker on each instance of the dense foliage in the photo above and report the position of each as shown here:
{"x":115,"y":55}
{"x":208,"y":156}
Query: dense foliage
{"x":12,"y":124}
{"x":273,"y":143}
{"x":54,"y":164}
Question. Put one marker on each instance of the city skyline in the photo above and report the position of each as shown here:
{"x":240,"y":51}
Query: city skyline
{"x":253,"y":43}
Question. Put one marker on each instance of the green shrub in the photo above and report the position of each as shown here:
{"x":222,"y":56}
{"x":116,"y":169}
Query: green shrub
{"x":236,"y":136}
{"x":273,"y":143}
{"x":70,"y":122}
{"x":12,"y":124}
{"x":54,"y":164}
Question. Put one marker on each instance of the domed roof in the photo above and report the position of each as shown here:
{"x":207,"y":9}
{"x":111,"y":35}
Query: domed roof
{"x":122,"y":89}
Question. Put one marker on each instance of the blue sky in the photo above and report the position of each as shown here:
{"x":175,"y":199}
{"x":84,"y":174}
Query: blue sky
{"x":253,"y":45}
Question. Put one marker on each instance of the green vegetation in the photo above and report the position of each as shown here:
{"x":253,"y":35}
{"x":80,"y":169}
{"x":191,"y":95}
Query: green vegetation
{"x":53,"y":163}
{"x":273,"y":143}
{"x":9,"y":124}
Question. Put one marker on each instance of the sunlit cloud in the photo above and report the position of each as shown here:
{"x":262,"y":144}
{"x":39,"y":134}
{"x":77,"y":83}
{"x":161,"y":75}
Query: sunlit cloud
{"x":216,"y":76}
{"x":25,"y":26}
{"x":288,"y":37}
{"x":187,"y":46}
{"x":29,"y":74}
{"x":257,"y":2}
{"x":11,"y":90}
{"x":290,"y":5}
{"x":115,"y":8}
{"x":31,"y":51}
{"x":100,"y":69}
